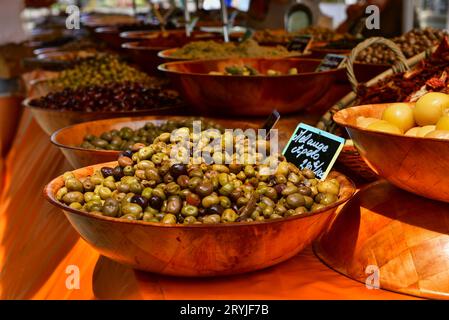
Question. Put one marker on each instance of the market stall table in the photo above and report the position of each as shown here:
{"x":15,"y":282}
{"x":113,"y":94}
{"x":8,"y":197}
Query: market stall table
{"x":39,"y":248}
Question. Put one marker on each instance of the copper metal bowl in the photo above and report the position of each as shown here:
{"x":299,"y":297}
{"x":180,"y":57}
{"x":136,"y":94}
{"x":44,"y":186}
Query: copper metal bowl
{"x":250,"y":95}
{"x":69,"y":138}
{"x":197,"y":250}
{"x":417,"y":165}
{"x":52,"y":120}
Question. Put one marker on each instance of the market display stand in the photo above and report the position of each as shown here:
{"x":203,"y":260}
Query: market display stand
{"x":39,"y":248}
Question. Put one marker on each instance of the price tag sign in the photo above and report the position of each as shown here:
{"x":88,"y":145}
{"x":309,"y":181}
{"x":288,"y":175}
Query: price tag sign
{"x":300,"y":43}
{"x":271,"y":122}
{"x":331,"y":61}
{"x":313,"y":149}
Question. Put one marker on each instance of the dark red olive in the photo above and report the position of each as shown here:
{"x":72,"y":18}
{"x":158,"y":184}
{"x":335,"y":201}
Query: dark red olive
{"x":193,"y":199}
{"x":178,"y":169}
{"x":183,"y":181}
{"x":156,"y":202}
{"x":279,"y":188}
{"x":141,"y":201}
{"x":205,"y":188}
{"x":117,"y":173}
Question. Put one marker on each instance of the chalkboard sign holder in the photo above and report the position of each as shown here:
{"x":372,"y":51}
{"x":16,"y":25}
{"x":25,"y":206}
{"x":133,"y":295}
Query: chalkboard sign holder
{"x":331,"y":61}
{"x":313,"y":148}
{"x":300,"y":43}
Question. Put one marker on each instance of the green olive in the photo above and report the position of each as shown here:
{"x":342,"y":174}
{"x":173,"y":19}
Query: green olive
{"x":169,"y":219}
{"x":213,"y":218}
{"x":328,"y":198}
{"x":189,"y":211}
{"x":111,"y":208}
{"x":73,"y":196}
{"x":228,"y":215}
{"x":104,"y":193}
{"x":328,"y":187}
{"x":189,"y":220}
{"x":295,"y":200}
{"x":210,"y":200}
{"x":132,"y":209}
{"x":74,"y":184}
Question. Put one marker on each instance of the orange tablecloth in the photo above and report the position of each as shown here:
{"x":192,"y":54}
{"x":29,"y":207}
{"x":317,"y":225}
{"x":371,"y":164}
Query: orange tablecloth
{"x":38,"y":244}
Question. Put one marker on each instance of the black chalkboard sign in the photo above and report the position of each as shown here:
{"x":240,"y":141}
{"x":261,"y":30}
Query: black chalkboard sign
{"x":331,"y":61}
{"x":314,"y":149}
{"x":299,"y":43}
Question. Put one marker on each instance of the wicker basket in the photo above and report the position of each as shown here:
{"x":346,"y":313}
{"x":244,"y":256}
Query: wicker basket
{"x":349,"y":158}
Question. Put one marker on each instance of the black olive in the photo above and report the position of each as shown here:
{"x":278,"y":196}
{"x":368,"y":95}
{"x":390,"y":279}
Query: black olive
{"x":215,"y":209}
{"x":117,"y":173}
{"x":177,"y":170}
{"x":141,"y":201}
{"x":156,"y":202}
{"x":106,"y":172}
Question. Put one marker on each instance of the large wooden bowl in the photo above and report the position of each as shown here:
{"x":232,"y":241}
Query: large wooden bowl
{"x":250,"y":95}
{"x":144,"y":52}
{"x":418,"y":165}
{"x":52,"y":120}
{"x":394,"y":236}
{"x":197,"y":250}
{"x":69,"y":138}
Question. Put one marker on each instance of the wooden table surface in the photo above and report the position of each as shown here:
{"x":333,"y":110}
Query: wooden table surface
{"x":38,"y":247}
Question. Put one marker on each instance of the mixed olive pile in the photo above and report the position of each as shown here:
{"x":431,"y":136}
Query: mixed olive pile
{"x":127,"y":96}
{"x":410,"y":43}
{"x":146,"y":185}
{"x":125,"y":138}
{"x":99,"y":70}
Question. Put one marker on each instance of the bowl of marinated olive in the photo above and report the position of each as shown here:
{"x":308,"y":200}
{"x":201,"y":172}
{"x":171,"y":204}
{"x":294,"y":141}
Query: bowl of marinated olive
{"x":206,"y":87}
{"x":57,"y":110}
{"x":150,"y":211}
{"x":98,"y":141}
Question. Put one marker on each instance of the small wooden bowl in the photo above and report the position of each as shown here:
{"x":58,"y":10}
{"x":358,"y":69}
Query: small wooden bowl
{"x":52,"y":120}
{"x":69,"y":138}
{"x":418,"y":165}
{"x":251,"y":95}
{"x":197,"y":250}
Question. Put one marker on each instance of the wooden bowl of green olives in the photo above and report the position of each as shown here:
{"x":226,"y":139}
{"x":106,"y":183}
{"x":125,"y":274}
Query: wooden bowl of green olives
{"x":186,"y":229}
{"x":98,"y":141}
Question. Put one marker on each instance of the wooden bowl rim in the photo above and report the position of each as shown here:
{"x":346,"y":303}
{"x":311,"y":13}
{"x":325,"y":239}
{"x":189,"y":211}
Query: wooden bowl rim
{"x":54,"y":135}
{"x":163,"y":67}
{"x":167,"y":54}
{"x":338,"y":118}
{"x":26,"y":103}
{"x":347,"y":189}
{"x":137,"y":45}
{"x":107,"y":29}
{"x":132,"y":35}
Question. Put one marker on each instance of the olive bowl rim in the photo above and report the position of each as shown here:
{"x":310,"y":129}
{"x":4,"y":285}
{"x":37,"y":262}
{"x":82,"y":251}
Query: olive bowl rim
{"x":163,"y":67}
{"x":27,"y":104}
{"x":55,"y":134}
{"x":349,"y":192}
